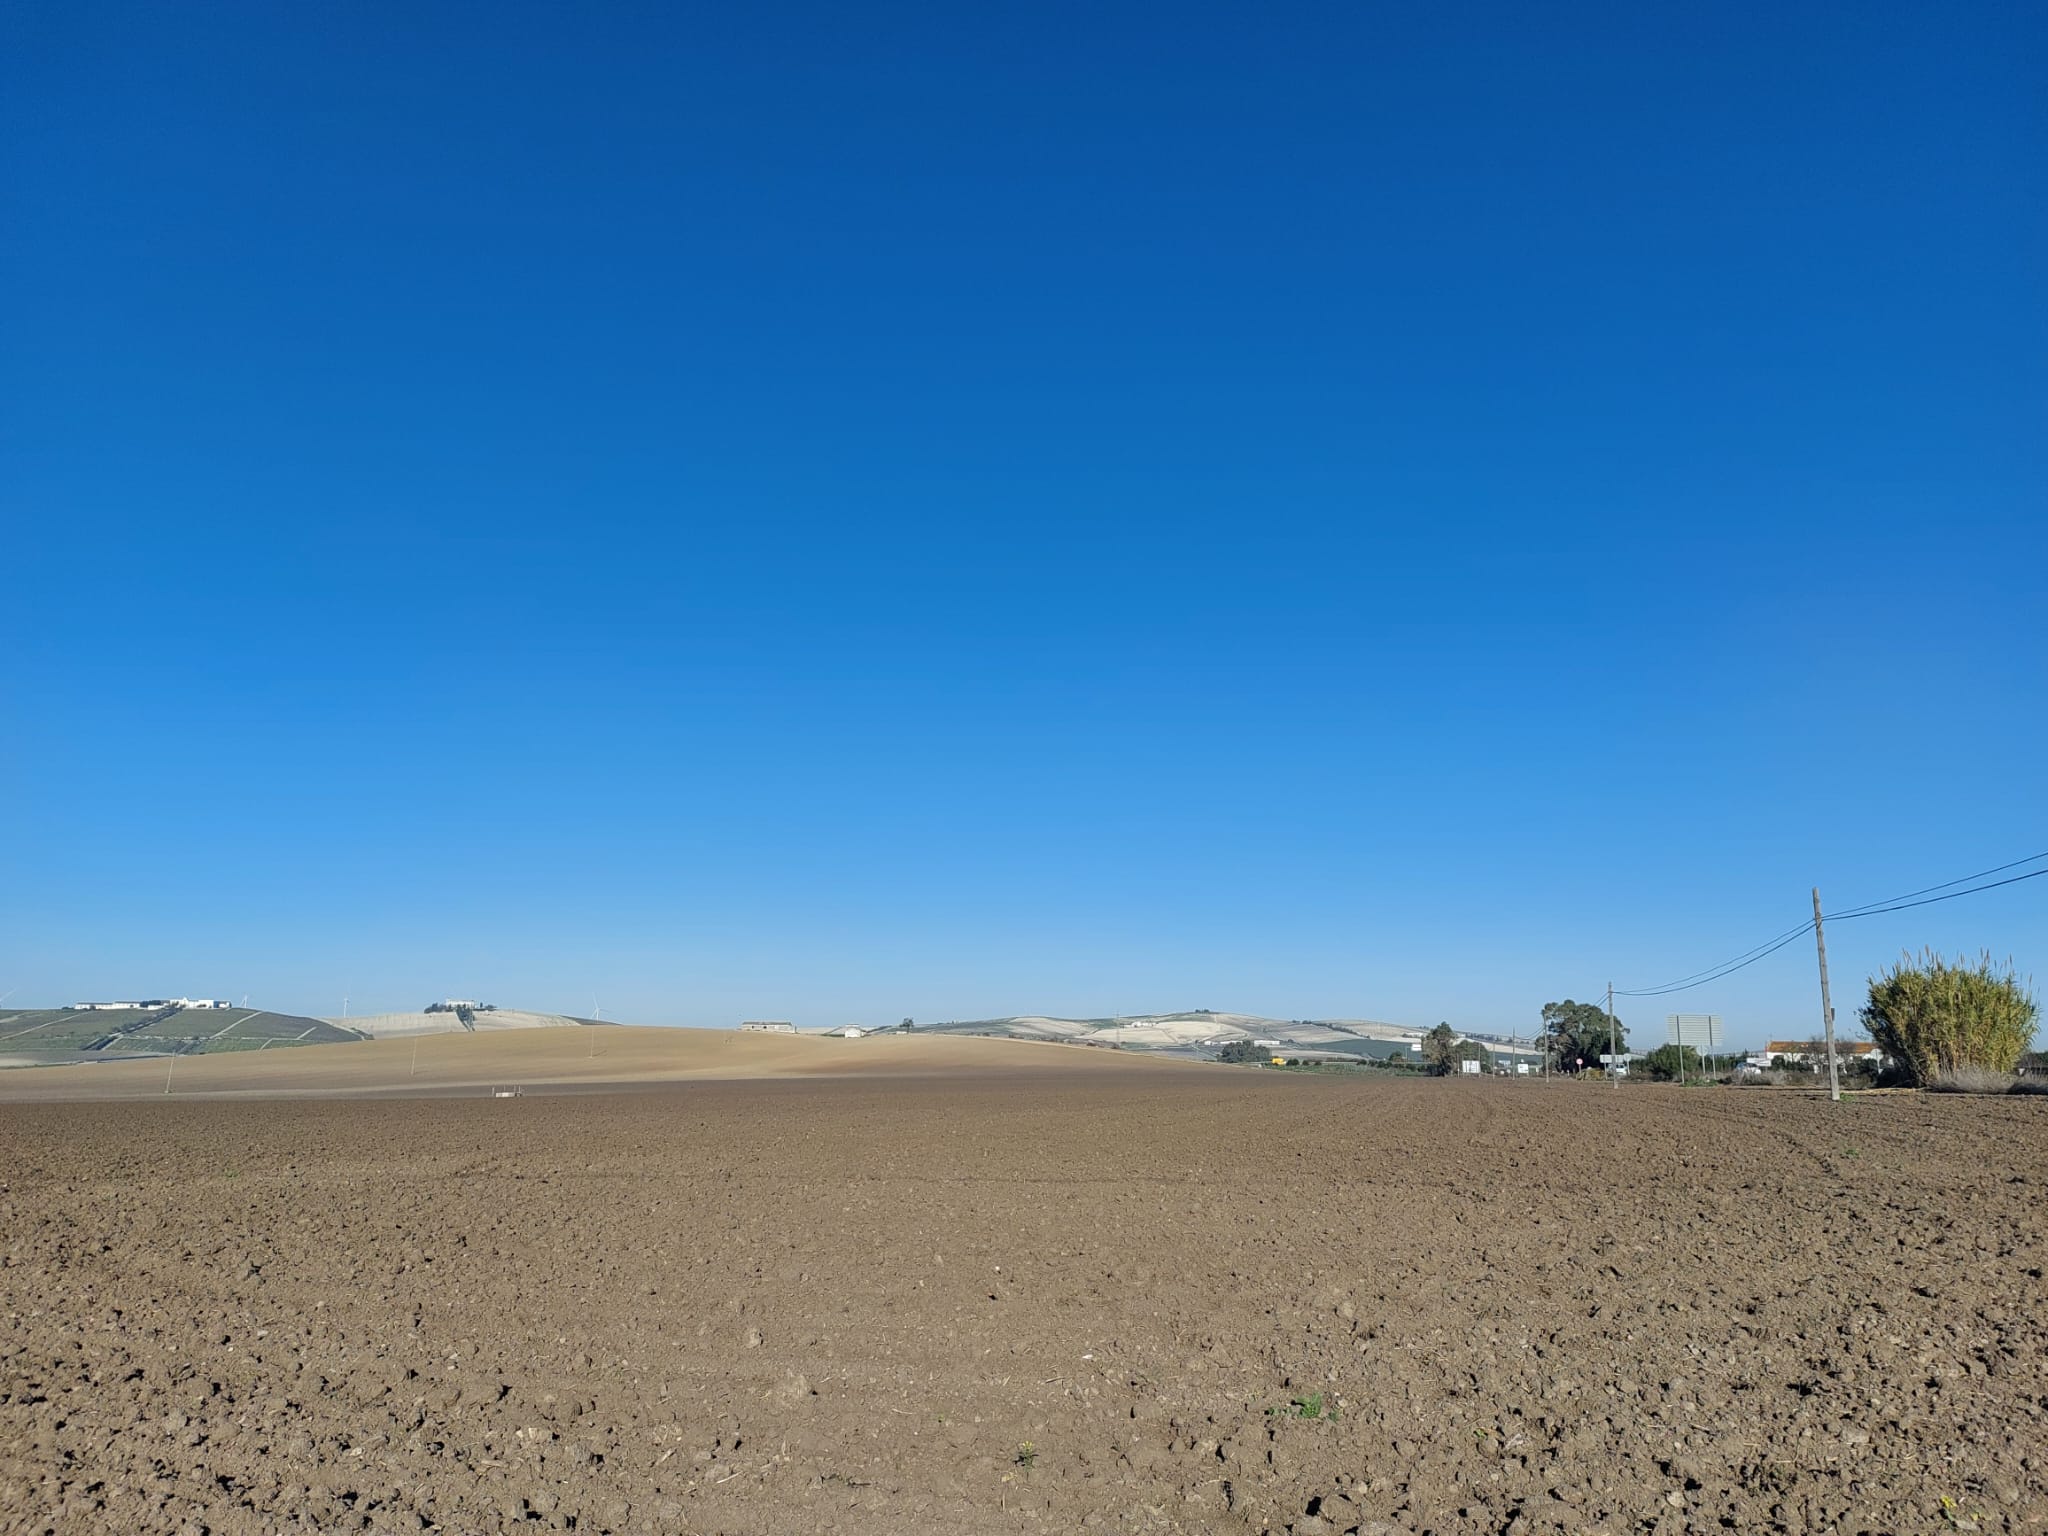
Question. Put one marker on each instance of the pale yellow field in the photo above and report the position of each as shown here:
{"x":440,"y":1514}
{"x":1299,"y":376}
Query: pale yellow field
{"x":588,"y":1056}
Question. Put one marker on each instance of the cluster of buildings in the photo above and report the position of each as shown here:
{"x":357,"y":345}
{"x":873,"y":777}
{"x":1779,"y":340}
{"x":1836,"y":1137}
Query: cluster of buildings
{"x":150,"y":1002}
{"x":1810,"y":1053}
{"x":1807,"y":1054}
{"x":784,"y":1027}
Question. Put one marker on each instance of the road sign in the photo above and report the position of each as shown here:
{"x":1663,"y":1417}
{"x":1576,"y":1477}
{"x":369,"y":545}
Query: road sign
{"x":1701,"y":1031}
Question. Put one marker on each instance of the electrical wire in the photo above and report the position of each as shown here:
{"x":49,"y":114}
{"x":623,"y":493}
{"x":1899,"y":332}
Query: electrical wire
{"x":1714,"y":970}
{"x":1727,"y":968}
{"x":1996,"y":869}
{"x":1769,"y":947}
{"x":2032,"y":874}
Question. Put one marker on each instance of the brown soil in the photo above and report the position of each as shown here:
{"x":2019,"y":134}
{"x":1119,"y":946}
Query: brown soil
{"x":1028,"y":1300}
{"x":596,"y":1056}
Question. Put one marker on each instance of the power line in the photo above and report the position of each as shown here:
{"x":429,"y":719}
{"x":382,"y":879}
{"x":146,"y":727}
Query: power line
{"x":1771,"y":946}
{"x":2032,"y":874}
{"x":1996,"y":869}
{"x":1727,"y":968}
{"x":1712,"y":971}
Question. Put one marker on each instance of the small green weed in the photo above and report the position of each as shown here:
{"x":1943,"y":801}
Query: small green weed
{"x":1027,"y":1456}
{"x":1959,"y":1518}
{"x":1312,"y":1405}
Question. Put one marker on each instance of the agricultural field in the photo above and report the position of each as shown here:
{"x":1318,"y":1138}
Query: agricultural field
{"x":47,"y":1036}
{"x":976,"y":1286}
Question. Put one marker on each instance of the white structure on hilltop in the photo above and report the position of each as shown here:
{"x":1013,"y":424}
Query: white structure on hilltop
{"x":847,"y":1031}
{"x":150,"y":1002}
{"x":769,"y":1027}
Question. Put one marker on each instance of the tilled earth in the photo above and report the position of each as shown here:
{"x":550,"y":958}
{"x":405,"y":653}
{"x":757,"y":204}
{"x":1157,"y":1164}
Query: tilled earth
{"x":1222,"y":1302}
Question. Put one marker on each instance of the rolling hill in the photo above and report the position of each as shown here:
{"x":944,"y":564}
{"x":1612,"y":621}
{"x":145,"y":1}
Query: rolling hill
{"x":50,"y":1036}
{"x":1197,"y":1032}
{"x":443,"y":1021}
{"x":1202,"y":1033}
{"x":613,"y":1057}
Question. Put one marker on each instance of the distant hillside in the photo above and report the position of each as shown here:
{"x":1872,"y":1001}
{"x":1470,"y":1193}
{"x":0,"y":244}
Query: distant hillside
{"x":50,"y":1036}
{"x":445,"y":1021}
{"x":1197,"y":1033}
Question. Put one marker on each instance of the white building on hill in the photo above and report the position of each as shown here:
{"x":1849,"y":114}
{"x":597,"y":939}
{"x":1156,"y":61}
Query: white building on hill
{"x":150,"y":1002}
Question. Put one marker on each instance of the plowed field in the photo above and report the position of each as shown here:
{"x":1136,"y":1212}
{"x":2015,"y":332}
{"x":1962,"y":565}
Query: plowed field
{"x":1140,"y":1300}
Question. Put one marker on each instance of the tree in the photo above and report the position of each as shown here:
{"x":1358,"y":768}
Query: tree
{"x":1241,"y":1053}
{"x":908,"y":1024}
{"x":1936,"y":1018}
{"x":1575,"y":1034}
{"x":1439,"y":1048}
{"x":1472,"y":1050}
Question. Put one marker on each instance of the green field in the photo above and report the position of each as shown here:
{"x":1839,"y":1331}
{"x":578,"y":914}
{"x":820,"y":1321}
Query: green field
{"x":54,"y":1035}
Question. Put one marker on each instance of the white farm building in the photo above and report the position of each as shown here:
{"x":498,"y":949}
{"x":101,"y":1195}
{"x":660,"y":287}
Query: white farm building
{"x":151,"y":1002}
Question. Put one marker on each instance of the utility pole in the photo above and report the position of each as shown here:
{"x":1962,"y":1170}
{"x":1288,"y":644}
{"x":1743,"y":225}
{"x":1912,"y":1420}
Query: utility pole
{"x":1613,"y":1050}
{"x":413,"y":1071}
{"x":1827,"y":1007}
{"x":169,"y":1070}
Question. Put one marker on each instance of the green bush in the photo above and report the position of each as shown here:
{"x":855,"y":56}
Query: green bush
{"x":1936,"y":1018}
{"x":1668,"y":1062}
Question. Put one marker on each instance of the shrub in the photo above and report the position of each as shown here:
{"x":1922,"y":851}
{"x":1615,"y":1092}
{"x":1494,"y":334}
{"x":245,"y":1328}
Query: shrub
{"x":1935,"y":1018}
{"x":1669,"y":1062}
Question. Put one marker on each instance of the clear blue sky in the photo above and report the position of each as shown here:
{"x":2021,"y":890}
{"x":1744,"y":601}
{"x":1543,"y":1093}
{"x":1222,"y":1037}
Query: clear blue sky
{"x":1407,"y":511}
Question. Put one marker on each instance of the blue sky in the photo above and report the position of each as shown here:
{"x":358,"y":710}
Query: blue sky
{"x":1404,"y":511}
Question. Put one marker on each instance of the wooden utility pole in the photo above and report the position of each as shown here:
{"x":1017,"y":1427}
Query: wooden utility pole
{"x":1827,"y":1007}
{"x":1613,"y":1050}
